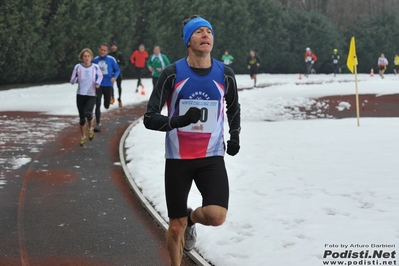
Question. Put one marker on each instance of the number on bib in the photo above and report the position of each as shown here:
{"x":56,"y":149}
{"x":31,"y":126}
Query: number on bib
{"x":208,"y":119}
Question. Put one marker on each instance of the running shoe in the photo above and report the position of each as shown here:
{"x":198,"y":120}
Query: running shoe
{"x":137,"y":89}
{"x":91,"y":135}
{"x":82,"y":141}
{"x":112,"y":101}
{"x":190,"y":235}
{"x":97,"y":128}
{"x":120,"y":103}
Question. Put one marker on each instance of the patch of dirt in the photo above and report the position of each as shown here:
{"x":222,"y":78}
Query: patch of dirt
{"x":344,"y":106}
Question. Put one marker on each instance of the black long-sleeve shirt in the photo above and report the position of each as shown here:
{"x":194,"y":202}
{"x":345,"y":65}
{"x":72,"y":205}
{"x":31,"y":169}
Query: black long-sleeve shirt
{"x":119,"y":58}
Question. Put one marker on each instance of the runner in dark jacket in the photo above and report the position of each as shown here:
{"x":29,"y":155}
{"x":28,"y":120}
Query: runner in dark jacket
{"x":121,"y":62}
{"x":253,"y":65}
{"x":335,"y":61}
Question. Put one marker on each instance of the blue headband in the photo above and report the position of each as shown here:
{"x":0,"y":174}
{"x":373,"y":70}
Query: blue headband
{"x":192,"y":25}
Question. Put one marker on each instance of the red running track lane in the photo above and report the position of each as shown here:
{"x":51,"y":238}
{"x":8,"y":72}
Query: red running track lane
{"x":62,"y":204}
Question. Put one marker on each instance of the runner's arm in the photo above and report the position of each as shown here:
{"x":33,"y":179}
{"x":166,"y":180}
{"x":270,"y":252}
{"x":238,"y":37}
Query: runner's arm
{"x":232,"y":104}
{"x":153,"y":119}
{"x":149,"y":63}
{"x":116,"y":68}
{"x":166,"y":60}
{"x":99,"y":76}
{"x":132,"y":58}
{"x":74,"y":76}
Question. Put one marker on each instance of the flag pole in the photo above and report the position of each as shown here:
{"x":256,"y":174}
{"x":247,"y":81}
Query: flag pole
{"x":357,"y":95}
{"x":351,"y":62}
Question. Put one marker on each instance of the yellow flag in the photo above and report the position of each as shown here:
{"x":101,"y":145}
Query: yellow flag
{"x":352,"y":58}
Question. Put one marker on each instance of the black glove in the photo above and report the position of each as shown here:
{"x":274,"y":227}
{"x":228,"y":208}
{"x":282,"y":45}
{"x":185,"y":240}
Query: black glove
{"x":191,"y":116}
{"x":233,"y":146}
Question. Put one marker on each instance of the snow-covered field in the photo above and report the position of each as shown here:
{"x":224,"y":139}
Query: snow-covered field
{"x":299,"y":189}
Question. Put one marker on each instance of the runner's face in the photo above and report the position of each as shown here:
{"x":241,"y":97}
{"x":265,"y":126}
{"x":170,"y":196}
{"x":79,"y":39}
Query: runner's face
{"x":103,"y":50}
{"x":157,"y":50}
{"x":114,"y":48}
{"x":201,"y":40}
{"x":86,"y":58}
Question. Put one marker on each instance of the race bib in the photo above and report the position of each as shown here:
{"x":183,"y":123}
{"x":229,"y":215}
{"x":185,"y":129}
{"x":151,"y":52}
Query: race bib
{"x":103,"y":66}
{"x":335,"y":61}
{"x":208,"y":120}
{"x":226,"y":62}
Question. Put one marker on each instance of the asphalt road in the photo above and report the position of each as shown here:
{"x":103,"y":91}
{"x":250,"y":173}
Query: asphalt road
{"x":71,"y":205}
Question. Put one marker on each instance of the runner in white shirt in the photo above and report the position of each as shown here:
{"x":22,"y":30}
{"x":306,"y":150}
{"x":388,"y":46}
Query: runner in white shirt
{"x":382,"y":65}
{"x":88,"y":76}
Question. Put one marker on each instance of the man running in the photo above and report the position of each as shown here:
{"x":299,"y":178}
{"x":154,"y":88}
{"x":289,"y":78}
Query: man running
{"x":227,"y":58}
{"x":121,"y":63}
{"x":156,"y":63}
{"x":110,"y":69}
{"x":382,"y":65}
{"x":195,"y":90}
{"x":396,"y":64}
{"x":253,"y":65}
{"x":335,"y":61}
{"x":310,"y":59}
{"x":138,"y":59}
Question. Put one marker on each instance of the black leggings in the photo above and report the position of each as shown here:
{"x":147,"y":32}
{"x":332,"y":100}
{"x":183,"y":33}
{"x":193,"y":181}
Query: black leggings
{"x":139,"y":72}
{"x":308,"y":68}
{"x":119,"y":85}
{"x":107,"y":92}
{"x":85,"y":106}
{"x":335,"y":68}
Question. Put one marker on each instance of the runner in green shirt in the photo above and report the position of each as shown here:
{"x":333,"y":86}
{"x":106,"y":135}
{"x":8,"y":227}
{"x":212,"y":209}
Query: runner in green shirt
{"x":227,"y":59}
{"x":156,"y":63}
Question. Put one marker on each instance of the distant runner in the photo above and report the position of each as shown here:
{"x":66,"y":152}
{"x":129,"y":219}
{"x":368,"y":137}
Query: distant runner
{"x":335,"y":61}
{"x":121,"y":63}
{"x":139,"y":60}
{"x":88,"y":76}
{"x":227,"y":58}
{"x":382,"y":65}
{"x":110,"y":69}
{"x":156,"y":63}
{"x":396,"y":64}
{"x":310,"y":59}
{"x":253,"y":65}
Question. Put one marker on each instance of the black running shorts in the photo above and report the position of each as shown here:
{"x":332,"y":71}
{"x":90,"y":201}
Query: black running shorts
{"x":253,"y":71}
{"x":209,"y":175}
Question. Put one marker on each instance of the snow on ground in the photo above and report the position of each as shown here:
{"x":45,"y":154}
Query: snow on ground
{"x":299,"y":189}
{"x":296,"y":185}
